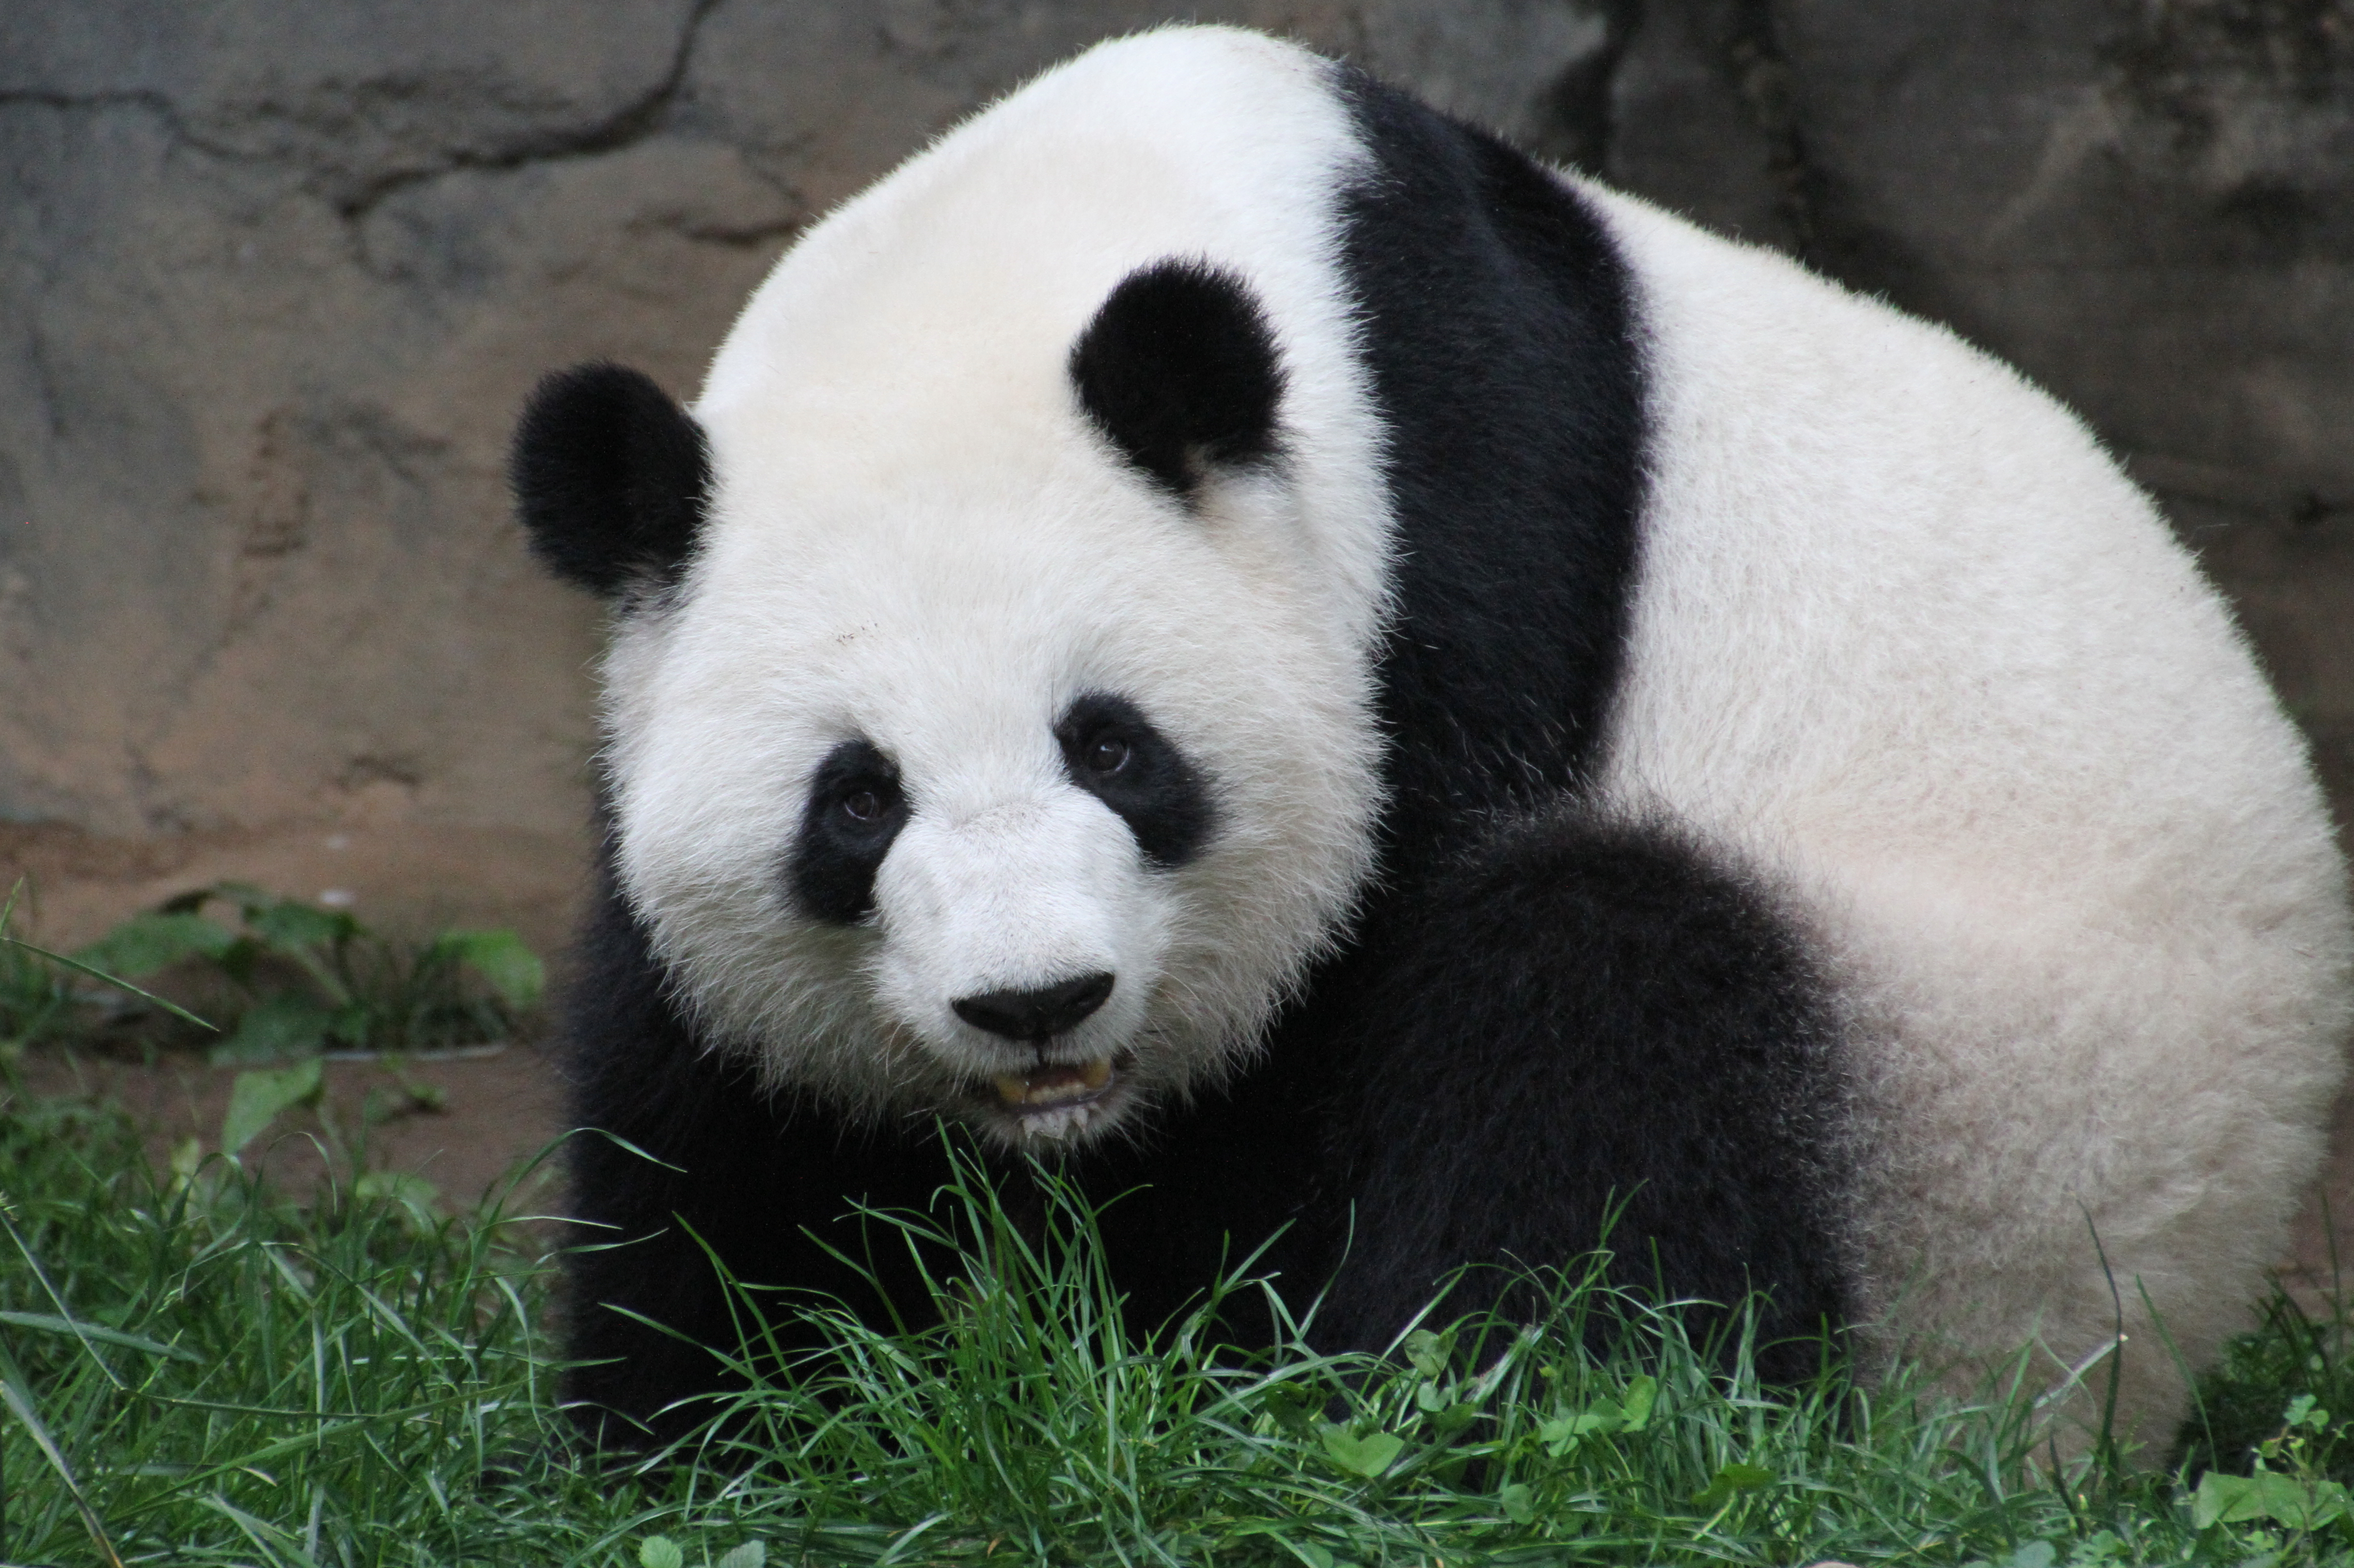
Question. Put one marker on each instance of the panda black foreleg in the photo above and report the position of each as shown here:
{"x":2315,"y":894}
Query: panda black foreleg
{"x":1576,"y":1018}
{"x":682,"y":1160}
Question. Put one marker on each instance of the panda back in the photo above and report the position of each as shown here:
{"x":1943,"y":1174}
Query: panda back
{"x":1905,"y":639}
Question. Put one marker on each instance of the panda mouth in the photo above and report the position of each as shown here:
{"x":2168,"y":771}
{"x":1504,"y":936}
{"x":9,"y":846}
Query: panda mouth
{"x":1057,"y":1102}
{"x":1053,"y":1086}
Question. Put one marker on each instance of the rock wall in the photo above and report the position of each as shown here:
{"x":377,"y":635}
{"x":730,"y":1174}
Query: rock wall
{"x":274,"y":277}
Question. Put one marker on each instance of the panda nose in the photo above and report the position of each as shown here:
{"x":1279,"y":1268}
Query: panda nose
{"x":1035,"y":1014}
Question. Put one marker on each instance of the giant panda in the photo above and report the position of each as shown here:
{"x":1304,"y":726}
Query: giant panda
{"x":1228,"y":631}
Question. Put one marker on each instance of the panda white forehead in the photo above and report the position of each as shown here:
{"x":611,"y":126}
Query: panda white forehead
{"x":1006,"y":748}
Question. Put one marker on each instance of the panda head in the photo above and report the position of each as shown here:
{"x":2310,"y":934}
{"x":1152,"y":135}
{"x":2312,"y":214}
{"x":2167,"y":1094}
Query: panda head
{"x":980,"y":739}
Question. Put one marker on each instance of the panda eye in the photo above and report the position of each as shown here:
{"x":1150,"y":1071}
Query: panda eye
{"x":863,"y":806}
{"x":1106,"y":753}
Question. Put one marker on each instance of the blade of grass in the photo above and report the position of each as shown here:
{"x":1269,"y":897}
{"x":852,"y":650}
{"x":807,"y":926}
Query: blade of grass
{"x":48,"y":1323}
{"x":149,"y":997}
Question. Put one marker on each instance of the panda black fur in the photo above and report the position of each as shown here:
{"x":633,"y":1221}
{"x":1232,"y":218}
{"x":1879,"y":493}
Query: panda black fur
{"x":1223,"y":622}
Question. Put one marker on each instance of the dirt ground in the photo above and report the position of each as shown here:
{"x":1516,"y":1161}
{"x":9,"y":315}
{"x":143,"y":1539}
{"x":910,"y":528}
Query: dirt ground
{"x":501,"y":1111}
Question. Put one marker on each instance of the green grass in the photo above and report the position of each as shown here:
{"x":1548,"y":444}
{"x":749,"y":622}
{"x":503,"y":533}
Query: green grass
{"x":276,"y":980}
{"x":198,"y":1372}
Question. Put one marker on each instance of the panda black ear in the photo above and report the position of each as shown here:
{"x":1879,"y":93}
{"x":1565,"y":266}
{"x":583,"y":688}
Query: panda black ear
{"x":1180,"y":370}
{"x":610,"y":478}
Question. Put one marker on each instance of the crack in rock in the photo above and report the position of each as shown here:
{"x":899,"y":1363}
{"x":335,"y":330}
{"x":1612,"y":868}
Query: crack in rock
{"x":354,"y":194}
{"x":633,"y":123}
{"x":147,"y":101}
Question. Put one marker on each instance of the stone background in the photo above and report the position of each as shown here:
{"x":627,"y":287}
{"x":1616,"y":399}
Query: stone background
{"x":275,"y":276}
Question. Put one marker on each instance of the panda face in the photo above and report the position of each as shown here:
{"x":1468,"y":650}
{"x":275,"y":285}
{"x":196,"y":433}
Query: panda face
{"x":1009,"y":809}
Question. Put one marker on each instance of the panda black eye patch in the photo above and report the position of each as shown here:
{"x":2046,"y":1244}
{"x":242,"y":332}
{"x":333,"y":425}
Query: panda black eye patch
{"x":853,"y":810}
{"x":1113,"y":752}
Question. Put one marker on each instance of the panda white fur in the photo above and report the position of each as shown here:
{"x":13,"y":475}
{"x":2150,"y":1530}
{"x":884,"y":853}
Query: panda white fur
{"x":1223,"y":623}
